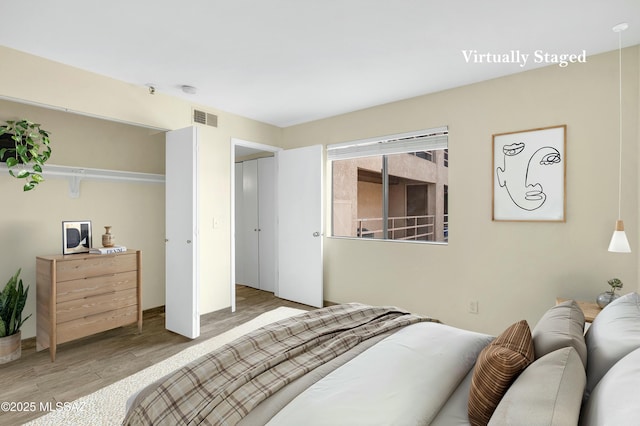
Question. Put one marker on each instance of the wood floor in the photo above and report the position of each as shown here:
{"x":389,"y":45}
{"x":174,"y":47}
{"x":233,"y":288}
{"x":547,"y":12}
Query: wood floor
{"x":86,"y":365}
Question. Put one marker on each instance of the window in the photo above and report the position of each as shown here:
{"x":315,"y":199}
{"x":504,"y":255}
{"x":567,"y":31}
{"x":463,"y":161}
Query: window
{"x":383,"y":188}
{"x":425,"y":155}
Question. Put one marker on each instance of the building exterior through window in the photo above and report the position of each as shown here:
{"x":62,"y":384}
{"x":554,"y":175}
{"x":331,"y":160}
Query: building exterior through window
{"x":396,"y":196}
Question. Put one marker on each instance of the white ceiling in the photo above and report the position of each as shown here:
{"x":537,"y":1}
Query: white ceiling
{"x":286,"y":62}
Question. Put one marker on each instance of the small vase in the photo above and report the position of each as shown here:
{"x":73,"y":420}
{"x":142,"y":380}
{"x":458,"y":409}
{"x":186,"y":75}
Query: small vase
{"x":108,"y":240}
{"x":605,"y":298}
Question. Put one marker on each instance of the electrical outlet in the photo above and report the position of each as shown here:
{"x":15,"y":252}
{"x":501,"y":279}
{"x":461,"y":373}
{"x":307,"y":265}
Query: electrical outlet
{"x":473,"y":306}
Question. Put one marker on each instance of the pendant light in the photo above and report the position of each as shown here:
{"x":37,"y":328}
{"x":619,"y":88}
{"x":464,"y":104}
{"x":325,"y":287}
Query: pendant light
{"x":619,"y":242}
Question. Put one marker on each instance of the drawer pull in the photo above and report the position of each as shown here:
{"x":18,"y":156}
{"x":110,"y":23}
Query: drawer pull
{"x":121,"y":312}
{"x":98,"y":295}
{"x":100,"y":276}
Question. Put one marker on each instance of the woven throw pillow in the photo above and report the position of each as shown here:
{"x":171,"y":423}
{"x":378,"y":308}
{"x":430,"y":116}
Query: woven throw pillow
{"x":497,"y":367}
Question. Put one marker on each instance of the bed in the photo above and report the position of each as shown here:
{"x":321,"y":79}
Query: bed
{"x":368,"y":365}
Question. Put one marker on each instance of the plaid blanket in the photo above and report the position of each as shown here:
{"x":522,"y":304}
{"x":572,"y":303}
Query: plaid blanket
{"x":222,"y":387}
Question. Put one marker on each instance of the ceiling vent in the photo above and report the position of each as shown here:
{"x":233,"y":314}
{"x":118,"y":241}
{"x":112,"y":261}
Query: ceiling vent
{"x":205,"y":118}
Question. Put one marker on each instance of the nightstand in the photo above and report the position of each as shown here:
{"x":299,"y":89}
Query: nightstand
{"x":589,"y":309}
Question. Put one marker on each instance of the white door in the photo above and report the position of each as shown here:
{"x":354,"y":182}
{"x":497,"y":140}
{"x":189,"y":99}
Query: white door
{"x":299,"y":194}
{"x":267,"y":223}
{"x":239,"y":225}
{"x":182,"y":275}
{"x":250,"y":231}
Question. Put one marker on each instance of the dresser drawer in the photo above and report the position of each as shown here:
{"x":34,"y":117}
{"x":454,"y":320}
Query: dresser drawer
{"x":93,"y":286}
{"x":91,"y":305}
{"x":95,"y":323}
{"x":94,"y":266}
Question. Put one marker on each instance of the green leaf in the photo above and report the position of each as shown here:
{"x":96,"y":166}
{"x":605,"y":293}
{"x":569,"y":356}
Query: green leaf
{"x":13,"y":299}
{"x":28,"y":187}
{"x":35,"y":177}
{"x":23,"y":174}
{"x":12,"y":318}
{"x":37,"y":167}
{"x":12,"y":161}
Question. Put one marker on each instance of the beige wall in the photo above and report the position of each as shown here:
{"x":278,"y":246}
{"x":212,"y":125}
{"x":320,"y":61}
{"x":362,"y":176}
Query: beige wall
{"x":31,"y":221}
{"x":514,"y":270}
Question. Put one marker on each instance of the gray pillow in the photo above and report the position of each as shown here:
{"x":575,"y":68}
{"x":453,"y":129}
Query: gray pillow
{"x":614,"y":333}
{"x":559,"y":327}
{"x":614,"y":400}
{"x":548,"y":392}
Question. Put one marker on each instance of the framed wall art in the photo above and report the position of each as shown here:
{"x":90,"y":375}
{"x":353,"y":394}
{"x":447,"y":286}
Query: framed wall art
{"x":529,"y":175}
{"x":76,"y":237}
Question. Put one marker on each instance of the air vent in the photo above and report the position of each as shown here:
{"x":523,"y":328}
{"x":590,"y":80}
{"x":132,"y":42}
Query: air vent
{"x":202,"y":117}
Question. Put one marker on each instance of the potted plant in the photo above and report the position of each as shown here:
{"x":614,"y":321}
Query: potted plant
{"x":12,"y":301}
{"x":609,"y":296}
{"x":29,"y":151}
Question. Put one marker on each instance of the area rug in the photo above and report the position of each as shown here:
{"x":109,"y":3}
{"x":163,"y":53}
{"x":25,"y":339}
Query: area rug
{"x":107,"y":406}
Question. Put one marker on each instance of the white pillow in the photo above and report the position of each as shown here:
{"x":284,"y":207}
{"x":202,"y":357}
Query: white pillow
{"x":548,"y":392}
{"x":614,"y":401}
{"x":559,"y":327}
{"x":614,"y":333}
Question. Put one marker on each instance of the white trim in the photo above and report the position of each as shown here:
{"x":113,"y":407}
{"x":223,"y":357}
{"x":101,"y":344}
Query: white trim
{"x":85,"y":114}
{"x":76,"y":174}
{"x":420,"y":140}
{"x":100,"y":174}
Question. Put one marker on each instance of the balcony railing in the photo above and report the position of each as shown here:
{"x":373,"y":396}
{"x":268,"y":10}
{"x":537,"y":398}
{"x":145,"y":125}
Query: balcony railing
{"x":446,"y":227}
{"x":399,"y":228}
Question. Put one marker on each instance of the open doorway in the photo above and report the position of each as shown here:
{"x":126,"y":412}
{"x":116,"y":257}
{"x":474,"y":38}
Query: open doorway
{"x":250,"y":242}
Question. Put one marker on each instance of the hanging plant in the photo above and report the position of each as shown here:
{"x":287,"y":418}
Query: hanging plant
{"x":29,"y":152}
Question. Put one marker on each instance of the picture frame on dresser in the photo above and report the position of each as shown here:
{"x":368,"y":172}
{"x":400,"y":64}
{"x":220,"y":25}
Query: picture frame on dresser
{"x":76,"y":237}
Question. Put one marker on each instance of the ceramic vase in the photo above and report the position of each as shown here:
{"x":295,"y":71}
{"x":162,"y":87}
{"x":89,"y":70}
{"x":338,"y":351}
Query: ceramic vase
{"x":10,"y":347}
{"x":107,"y":238}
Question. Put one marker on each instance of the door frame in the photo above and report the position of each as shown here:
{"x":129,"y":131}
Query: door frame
{"x":257,"y":147}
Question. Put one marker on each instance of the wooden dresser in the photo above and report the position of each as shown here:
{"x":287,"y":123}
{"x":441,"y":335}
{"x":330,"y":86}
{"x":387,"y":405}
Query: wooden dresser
{"x":83,"y":294}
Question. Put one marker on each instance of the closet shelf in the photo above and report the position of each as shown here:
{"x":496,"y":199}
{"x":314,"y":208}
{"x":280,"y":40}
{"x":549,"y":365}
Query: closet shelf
{"x":76,"y":174}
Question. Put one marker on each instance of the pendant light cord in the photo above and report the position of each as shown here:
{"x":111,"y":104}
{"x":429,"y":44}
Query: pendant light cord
{"x":620,"y":122}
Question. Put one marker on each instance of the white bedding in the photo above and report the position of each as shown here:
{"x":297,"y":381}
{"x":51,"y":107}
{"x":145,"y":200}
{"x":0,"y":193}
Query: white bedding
{"x":404,"y":379}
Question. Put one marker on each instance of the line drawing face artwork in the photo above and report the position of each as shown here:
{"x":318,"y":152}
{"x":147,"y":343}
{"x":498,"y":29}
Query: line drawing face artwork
{"x":529,"y":171}
{"x":526,"y":192}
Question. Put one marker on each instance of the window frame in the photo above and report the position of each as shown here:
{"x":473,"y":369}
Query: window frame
{"x":403,"y":143}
